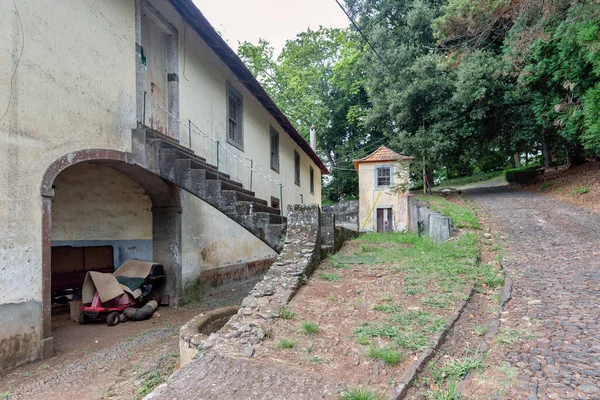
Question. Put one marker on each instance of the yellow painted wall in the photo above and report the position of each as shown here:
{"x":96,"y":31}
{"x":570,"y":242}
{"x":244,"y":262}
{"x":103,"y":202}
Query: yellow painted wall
{"x":368,"y":195}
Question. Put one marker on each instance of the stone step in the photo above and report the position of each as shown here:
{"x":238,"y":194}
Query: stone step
{"x":249,"y":207}
{"x":239,"y":196}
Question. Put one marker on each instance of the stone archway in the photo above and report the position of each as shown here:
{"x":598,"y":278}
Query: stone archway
{"x":166,"y":224}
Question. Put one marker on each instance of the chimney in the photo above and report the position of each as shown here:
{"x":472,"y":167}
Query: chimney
{"x":313,"y":138}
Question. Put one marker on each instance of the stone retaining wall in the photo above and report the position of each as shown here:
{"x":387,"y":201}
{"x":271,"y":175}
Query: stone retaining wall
{"x":346,"y":214}
{"x":301,"y":254}
{"x":427,"y":222}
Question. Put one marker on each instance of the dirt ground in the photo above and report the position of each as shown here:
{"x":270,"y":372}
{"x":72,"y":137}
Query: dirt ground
{"x":97,"y":361}
{"x":338,"y":307}
{"x":464,"y":338}
{"x":578,"y":185}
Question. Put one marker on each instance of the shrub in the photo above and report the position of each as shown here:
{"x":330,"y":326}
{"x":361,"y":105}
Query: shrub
{"x":523,"y":175}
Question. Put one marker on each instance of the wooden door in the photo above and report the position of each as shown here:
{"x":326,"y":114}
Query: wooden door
{"x":384,"y":220}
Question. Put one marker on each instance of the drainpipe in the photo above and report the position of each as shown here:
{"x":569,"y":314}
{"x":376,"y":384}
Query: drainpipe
{"x":313,"y":138}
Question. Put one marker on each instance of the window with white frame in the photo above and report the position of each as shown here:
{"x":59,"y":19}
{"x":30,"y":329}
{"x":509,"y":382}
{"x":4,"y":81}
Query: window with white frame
{"x":383,"y":176}
{"x":235,"y":106}
{"x":274,"y":150}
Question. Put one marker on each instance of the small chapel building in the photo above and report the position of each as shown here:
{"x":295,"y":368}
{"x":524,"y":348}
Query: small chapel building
{"x":383,"y":179}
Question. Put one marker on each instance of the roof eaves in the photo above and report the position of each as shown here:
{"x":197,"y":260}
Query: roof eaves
{"x":200,"y":24}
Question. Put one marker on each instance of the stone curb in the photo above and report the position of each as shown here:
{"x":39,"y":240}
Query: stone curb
{"x":399,"y":392}
{"x":492,"y":326}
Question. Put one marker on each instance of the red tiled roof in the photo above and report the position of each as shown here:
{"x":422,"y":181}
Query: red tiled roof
{"x":382,"y":154}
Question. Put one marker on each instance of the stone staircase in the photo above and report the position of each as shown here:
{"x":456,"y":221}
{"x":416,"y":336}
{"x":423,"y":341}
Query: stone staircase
{"x":165,"y":157}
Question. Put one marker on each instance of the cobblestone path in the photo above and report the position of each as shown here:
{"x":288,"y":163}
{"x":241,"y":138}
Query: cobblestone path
{"x":552,"y":252}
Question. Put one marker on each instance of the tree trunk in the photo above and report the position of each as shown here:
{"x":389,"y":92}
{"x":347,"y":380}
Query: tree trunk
{"x":424,"y":177}
{"x":546,"y":151}
{"x":517,"y":160}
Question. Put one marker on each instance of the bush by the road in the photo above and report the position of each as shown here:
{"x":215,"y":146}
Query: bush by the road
{"x":523,"y":175}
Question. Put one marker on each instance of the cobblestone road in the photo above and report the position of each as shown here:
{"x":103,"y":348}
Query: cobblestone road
{"x":552,"y":251}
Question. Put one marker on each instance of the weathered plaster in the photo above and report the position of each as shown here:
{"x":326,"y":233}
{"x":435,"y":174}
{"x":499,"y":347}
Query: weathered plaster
{"x":96,"y":202}
{"x":371,"y":196}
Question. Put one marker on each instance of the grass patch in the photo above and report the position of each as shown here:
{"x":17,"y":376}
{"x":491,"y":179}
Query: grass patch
{"x":455,"y":369}
{"x":580,"y":190}
{"x":387,"y":354}
{"x":286,"y":313}
{"x":545,"y":186}
{"x":511,"y":336}
{"x":309,"y":328}
{"x":409,"y":339}
{"x":360,"y":394}
{"x":6,"y":395}
{"x":355,"y":259}
{"x":465,"y":180}
{"x":287,"y":343}
{"x":330,"y":277}
{"x":439,"y":300}
{"x":363,"y":340}
{"x":462,"y":215}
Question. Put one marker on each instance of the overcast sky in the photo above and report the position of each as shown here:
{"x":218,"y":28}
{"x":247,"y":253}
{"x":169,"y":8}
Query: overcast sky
{"x":273,"y":20}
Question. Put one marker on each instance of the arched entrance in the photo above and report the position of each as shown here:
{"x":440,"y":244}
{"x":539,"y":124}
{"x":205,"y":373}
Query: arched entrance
{"x":159,"y":219}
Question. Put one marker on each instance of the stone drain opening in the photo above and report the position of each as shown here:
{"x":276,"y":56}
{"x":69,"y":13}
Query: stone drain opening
{"x":199,"y":328}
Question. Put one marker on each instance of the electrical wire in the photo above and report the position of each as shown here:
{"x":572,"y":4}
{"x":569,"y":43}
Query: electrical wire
{"x":364,"y":36}
{"x":12,"y":79}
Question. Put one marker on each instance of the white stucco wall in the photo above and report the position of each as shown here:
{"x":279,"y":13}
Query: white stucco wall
{"x":74,"y":89}
{"x":95,"y":202}
{"x":203,"y":81}
{"x":211,"y":240}
{"x":368,"y":195}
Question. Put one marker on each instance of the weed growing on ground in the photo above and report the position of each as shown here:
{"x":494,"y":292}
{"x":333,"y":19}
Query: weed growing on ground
{"x":511,"y":336}
{"x":481,"y":330}
{"x":287,"y":343}
{"x":330,"y":277}
{"x":440,"y":393}
{"x":360,"y":394}
{"x":363,"y":340}
{"x":286,"y":313}
{"x":387,"y":354}
{"x":455,"y":369}
{"x":386,"y":297}
{"x":316,"y":360}
{"x":309,"y":328}
{"x":545,"y":186}
{"x":6,"y":395}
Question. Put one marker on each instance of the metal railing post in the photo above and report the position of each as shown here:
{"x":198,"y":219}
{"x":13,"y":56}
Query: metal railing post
{"x":281,"y":199}
{"x":251,"y":170}
{"x":190,"y":133}
{"x":144,"y":109}
{"x":217,"y":160}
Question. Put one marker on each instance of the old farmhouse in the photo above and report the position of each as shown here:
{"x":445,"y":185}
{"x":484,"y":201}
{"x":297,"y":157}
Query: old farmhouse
{"x":132,"y":130}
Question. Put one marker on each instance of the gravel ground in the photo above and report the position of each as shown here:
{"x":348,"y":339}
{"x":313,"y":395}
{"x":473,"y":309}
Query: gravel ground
{"x":551,"y":251}
{"x":101,"y":362}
